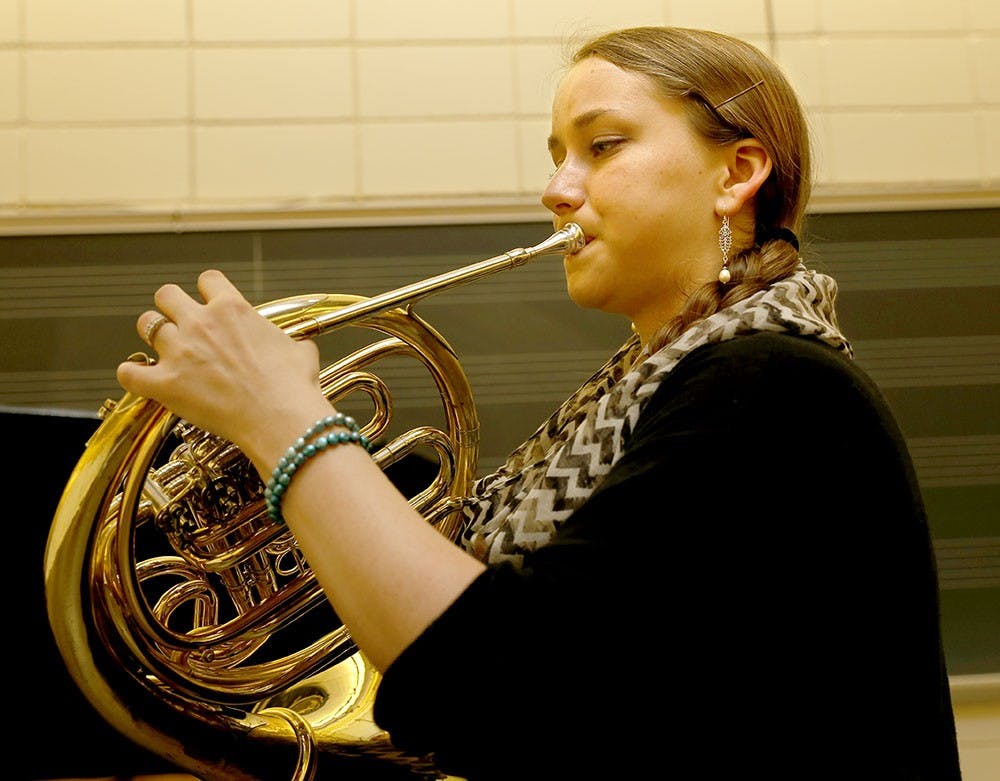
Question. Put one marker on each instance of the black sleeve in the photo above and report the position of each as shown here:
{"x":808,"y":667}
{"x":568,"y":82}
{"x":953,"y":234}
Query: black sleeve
{"x":755,"y":572}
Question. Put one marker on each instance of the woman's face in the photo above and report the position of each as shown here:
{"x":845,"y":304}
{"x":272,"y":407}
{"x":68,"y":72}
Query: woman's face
{"x":644,"y":188}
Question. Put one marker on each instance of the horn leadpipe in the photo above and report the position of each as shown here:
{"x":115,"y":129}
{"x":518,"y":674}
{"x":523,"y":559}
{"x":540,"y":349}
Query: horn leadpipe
{"x":567,"y":240}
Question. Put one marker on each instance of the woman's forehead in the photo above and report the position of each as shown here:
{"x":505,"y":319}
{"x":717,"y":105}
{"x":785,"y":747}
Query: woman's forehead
{"x":594,"y":88}
{"x":597,"y":77}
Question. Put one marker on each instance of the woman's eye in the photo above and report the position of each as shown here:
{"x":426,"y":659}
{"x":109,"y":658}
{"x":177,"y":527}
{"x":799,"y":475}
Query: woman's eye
{"x":601,"y":146}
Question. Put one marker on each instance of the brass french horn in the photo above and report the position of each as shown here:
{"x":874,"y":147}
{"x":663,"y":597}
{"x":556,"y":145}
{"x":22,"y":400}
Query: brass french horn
{"x":189,"y":620}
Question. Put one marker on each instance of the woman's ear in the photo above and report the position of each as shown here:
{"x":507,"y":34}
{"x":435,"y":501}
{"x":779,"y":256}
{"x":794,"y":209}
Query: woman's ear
{"x":749,"y":165}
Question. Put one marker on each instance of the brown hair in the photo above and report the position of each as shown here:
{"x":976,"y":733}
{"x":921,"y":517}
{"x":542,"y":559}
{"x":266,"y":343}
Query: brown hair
{"x":730,"y":90}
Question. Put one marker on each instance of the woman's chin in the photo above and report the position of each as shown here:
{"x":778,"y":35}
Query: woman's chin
{"x":585,"y":296}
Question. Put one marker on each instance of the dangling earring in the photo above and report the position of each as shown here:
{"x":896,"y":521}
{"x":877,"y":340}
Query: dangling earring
{"x":725,"y":244}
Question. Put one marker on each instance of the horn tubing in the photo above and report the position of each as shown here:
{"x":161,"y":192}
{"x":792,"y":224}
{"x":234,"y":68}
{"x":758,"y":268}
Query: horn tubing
{"x":194,"y":694}
{"x":567,"y":240}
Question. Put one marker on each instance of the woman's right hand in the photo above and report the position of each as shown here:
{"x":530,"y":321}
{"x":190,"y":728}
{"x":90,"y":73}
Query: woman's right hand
{"x":225,"y":368}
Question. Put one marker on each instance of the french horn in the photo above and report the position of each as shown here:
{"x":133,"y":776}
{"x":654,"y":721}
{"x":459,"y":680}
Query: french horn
{"x":192,"y":622}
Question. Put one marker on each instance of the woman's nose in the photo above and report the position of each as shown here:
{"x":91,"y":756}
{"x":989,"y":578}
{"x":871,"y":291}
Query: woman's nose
{"x":564,"y":191}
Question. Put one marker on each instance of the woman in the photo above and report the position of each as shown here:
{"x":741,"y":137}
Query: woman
{"x":713,"y":555}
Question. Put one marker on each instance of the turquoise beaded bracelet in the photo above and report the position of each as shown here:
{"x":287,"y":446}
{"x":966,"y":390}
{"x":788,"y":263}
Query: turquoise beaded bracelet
{"x":306,"y":446}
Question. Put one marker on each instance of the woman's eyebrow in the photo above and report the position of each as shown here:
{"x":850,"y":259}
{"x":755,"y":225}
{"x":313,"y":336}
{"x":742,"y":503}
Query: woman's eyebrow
{"x":581,"y":121}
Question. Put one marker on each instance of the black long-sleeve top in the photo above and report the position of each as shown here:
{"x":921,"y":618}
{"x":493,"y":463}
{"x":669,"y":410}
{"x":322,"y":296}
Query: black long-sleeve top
{"x":750,"y":592}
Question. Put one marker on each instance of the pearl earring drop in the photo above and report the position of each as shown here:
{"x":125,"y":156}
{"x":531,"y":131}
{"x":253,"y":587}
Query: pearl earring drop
{"x":725,"y":244}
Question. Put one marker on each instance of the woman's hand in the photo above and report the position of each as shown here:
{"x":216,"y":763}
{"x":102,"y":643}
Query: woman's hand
{"x":225,"y":368}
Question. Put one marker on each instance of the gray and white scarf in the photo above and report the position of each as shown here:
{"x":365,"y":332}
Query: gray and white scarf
{"x":520,"y":506}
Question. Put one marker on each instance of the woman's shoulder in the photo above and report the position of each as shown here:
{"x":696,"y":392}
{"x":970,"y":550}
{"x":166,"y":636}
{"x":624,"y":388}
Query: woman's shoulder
{"x":777,"y":346}
{"x":766,"y":361}
{"x":764,"y":381}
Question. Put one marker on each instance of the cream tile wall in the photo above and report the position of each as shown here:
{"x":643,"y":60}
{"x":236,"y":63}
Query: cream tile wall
{"x":116,"y":113}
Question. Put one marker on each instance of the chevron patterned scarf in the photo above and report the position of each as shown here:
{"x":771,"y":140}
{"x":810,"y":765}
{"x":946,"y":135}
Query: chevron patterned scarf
{"x":520,"y":506}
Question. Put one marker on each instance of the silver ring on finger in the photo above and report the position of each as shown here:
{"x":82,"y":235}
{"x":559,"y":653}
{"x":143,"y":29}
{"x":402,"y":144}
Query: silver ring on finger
{"x":153,"y":329}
